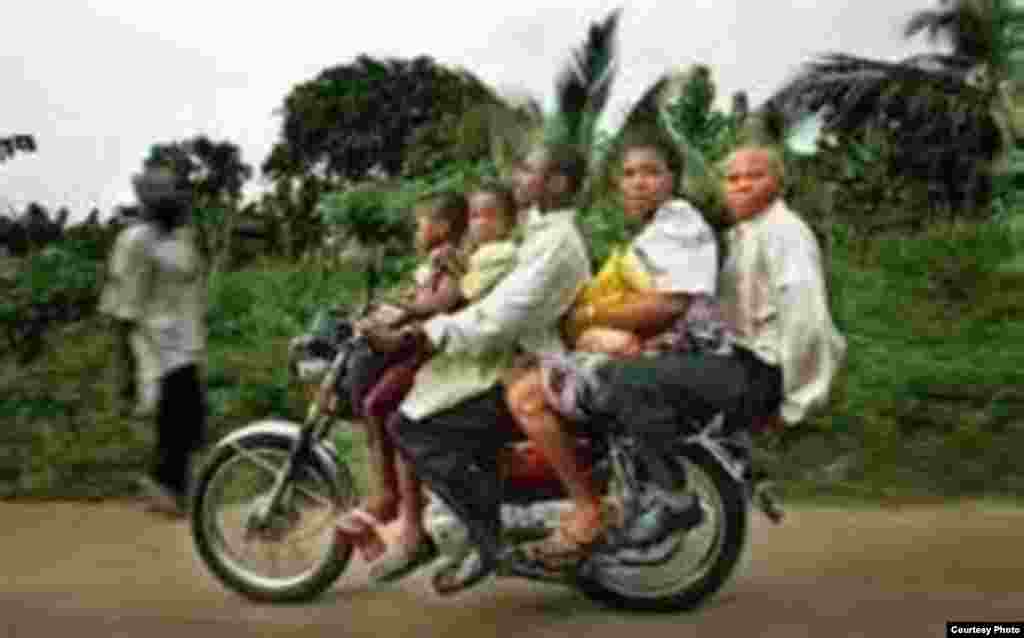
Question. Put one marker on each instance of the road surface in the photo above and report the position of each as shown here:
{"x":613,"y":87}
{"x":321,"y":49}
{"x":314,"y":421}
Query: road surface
{"x":111,"y":570}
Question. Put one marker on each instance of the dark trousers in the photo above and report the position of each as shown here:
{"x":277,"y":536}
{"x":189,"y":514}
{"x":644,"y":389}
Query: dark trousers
{"x":180,"y":426}
{"x":653,"y":398}
{"x":456,"y":453}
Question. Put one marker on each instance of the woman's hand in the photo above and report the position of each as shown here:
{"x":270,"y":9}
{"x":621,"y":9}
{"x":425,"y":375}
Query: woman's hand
{"x":645,"y":313}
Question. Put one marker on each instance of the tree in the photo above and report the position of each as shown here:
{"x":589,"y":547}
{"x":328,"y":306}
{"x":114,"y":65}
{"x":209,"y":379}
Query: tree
{"x":14,"y":237}
{"x":16,"y":144}
{"x":740,"y":107}
{"x":354,"y":117}
{"x":40,"y":230}
{"x":951,"y":116}
{"x":511,"y":125}
{"x":62,"y":217}
{"x":213,"y":170}
{"x":215,"y":173}
{"x":680,"y":105}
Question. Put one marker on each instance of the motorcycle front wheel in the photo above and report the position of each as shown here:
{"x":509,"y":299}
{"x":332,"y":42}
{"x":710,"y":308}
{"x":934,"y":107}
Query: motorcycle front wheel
{"x":287,"y":554}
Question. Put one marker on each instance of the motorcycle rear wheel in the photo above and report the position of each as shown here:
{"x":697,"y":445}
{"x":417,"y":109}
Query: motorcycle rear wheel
{"x":702,"y":567}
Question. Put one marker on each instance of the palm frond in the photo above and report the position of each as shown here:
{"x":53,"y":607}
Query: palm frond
{"x":934,"y":22}
{"x":666,"y":90}
{"x":645,"y":112}
{"x":983,"y":31}
{"x":653,"y":110}
{"x":697,"y":167}
{"x":943,"y":63}
{"x":946,"y":115}
{"x":768,"y":125}
{"x":516,"y":121}
{"x":513,"y":119}
{"x":857,"y":90}
{"x":965,"y":24}
{"x":584,"y":84}
{"x":939,"y":124}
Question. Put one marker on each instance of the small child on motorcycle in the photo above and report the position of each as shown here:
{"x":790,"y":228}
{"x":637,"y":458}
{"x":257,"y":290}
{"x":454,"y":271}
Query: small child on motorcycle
{"x":490,"y":255}
{"x":441,"y":222}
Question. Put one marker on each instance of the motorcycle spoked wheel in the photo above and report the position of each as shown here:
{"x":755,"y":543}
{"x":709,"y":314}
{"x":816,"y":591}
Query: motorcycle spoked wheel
{"x":708,"y":556}
{"x":232,"y":487}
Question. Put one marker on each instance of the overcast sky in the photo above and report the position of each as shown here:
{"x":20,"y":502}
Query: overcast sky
{"x":97,"y":82}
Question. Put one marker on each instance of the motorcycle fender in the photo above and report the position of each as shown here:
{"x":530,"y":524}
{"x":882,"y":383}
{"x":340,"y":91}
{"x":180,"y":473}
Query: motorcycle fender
{"x":732,"y":466}
{"x":326,"y":454}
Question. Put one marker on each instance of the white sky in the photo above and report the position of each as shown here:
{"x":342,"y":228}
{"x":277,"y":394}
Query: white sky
{"x":98,"y":81}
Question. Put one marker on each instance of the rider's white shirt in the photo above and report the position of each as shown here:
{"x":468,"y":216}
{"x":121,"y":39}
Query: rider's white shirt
{"x":772,"y":290}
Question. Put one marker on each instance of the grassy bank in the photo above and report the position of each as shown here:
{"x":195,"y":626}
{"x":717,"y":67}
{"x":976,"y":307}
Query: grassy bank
{"x":932,"y":399}
{"x":931,"y":404}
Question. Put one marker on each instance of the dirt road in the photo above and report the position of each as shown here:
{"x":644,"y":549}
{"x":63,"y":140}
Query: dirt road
{"x":113,"y":570}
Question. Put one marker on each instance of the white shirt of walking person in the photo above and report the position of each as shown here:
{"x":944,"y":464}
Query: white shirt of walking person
{"x":155,"y":279}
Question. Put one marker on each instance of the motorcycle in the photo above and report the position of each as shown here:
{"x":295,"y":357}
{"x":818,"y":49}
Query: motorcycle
{"x":278,"y":486}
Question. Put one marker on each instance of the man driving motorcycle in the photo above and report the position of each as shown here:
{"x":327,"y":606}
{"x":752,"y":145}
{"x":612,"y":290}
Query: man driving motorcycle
{"x":455,"y":451}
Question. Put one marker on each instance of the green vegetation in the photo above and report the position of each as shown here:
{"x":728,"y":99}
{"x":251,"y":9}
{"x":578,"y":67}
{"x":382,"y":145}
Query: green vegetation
{"x":914,"y":190}
{"x":63,"y":433}
{"x":931,"y":399}
{"x":929,"y":404}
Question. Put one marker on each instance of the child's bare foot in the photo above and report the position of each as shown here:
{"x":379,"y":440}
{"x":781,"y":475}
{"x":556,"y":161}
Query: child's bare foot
{"x":412,"y":549}
{"x":358,"y":527}
{"x":382,"y":508}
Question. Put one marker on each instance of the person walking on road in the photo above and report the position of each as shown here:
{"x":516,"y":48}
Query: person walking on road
{"x":156,"y":297}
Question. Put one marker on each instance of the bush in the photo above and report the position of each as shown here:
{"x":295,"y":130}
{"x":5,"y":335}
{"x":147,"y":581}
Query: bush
{"x":274,"y":301}
{"x":371,"y":214}
{"x":929,"y":395}
{"x":58,"y":284}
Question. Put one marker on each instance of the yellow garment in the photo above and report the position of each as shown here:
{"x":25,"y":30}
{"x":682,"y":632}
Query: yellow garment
{"x":622,"y":274}
{"x":487,"y":265}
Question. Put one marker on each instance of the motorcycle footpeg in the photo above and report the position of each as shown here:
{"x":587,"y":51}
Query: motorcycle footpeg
{"x":517,"y":567}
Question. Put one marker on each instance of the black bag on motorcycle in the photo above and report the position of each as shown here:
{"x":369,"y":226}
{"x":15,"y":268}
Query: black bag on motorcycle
{"x":363,"y":369}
